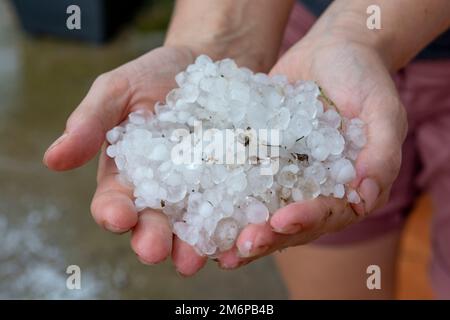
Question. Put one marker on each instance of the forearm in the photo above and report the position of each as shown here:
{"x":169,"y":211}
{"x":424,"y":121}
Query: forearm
{"x":249,"y":31}
{"x":407,"y":26}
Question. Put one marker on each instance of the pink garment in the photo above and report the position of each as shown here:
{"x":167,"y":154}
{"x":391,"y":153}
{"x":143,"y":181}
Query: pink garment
{"x":424,"y":88}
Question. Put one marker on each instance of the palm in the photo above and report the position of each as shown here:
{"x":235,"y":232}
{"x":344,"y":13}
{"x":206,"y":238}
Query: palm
{"x":351,"y":76}
{"x":135,"y":85}
{"x":355,"y":79}
{"x":152,"y":76}
{"x":360,"y":86}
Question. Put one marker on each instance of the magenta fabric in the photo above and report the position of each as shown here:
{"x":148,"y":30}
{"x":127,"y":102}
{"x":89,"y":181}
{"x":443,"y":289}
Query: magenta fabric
{"x":424,"y":88}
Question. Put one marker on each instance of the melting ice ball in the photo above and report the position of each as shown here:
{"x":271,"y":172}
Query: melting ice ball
{"x":229,"y":147}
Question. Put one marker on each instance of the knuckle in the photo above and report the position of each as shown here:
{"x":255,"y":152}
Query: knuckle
{"x":395,"y":160}
{"x":402,"y":122}
{"x":389,"y":168}
{"x":387,"y":164}
{"x":101,"y":80}
{"x":384,"y":197}
{"x":94,"y":207}
{"x":113,"y":82}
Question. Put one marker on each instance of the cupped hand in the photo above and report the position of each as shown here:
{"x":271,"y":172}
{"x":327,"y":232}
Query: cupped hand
{"x":356,"y":79}
{"x":138,"y":84}
{"x":352,"y":75}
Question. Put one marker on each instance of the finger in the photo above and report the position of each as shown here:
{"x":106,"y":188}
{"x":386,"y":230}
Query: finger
{"x":112,"y":205}
{"x":187,"y":261}
{"x":295,"y":224}
{"x":104,"y":107}
{"x":255,"y":241}
{"x":258,"y":240}
{"x":378,"y":163}
{"x":313,"y":217}
{"x":230,"y":259}
{"x":152,"y":237}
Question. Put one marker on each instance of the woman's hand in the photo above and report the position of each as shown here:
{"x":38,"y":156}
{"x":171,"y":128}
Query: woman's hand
{"x":356,"y":79}
{"x":135,"y":85}
{"x":248,"y":31}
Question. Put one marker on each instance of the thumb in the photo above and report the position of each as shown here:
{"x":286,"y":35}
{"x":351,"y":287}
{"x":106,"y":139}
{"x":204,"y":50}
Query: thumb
{"x":104,"y":107}
{"x":379,"y":162}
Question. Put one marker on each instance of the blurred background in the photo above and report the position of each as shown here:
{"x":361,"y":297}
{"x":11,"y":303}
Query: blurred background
{"x":45,"y":223}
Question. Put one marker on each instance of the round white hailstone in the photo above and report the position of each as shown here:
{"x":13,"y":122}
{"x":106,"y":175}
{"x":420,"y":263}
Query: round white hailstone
{"x":227,"y":207}
{"x":258,"y":183}
{"x":141,"y":174}
{"x":304,"y":149}
{"x":355,"y":133}
{"x":159,"y":152}
{"x":288,"y":176}
{"x":317,"y":142}
{"x":316,"y":171}
{"x":301,"y":125}
{"x":226,"y":233}
{"x":114,"y":135}
{"x":297,"y":195}
{"x":255,"y":210}
{"x":137,"y":118}
{"x":111,"y":151}
{"x":339,"y":191}
{"x":176,"y":193}
{"x":186,"y":232}
{"x":353,"y":197}
{"x":332,"y":118}
{"x":343,"y":171}
{"x":206,"y":209}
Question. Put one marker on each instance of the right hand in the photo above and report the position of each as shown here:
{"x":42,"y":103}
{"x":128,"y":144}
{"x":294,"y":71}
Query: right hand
{"x":357,"y":80}
{"x":138,"y":84}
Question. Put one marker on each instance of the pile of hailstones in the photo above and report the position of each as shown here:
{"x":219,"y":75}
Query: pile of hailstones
{"x":210,"y":202}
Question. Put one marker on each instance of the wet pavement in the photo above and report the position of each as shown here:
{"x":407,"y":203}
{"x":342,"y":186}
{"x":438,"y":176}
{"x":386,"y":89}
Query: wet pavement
{"x":45,"y":223}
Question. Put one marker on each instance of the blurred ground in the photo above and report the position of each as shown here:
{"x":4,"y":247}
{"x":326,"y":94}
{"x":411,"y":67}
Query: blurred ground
{"x":45,"y":223}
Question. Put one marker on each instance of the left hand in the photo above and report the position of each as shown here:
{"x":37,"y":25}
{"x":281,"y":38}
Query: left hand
{"x":357,"y":80}
{"x":136,"y":85}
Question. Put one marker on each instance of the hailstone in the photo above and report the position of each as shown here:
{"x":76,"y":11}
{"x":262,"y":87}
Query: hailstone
{"x":229,"y":147}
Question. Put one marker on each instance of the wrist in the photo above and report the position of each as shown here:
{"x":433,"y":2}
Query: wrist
{"x":406,"y":27}
{"x":349,"y":29}
{"x":221,"y":44}
{"x":247,"y":31}
{"x":378,"y":42}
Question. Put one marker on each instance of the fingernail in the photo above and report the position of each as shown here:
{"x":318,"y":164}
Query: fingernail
{"x":54,"y":144}
{"x":258,"y":251}
{"x":245,"y":248}
{"x":289,"y":229}
{"x":235,"y":265}
{"x":181,"y":274}
{"x":113,"y":228}
{"x":58,"y":141}
{"x":143,"y":261}
{"x":248,"y":251}
{"x":369,"y":191}
{"x":227,"y":266}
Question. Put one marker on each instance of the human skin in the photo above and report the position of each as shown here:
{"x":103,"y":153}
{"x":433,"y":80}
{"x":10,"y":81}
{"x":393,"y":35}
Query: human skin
{"x":352,"y":64}
{"x":197,"y":27}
